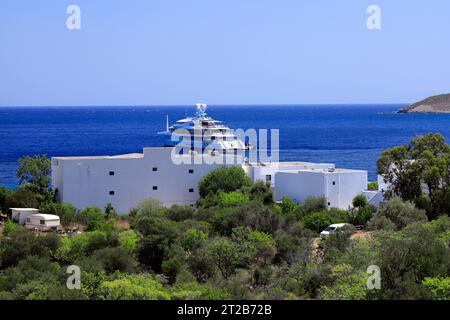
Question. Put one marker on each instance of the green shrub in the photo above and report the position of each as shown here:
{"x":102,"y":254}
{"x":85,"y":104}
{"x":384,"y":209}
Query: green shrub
{"x":66,"y":212}
{"x":359,"y":201}
{"x":318,"y":221}
{"x":129,"y":240}
{"x":195,"y":291}
{"x":439,"y":287}
{"x":133,"y":287}
{"x":9,"y":226}
{"x":402,"y":213}
{"x":193,"y":238}
{"x":373,"y":186}
{"x":223,"y":179}
{"x":93,"y":218}
{"x":231,"y":198}
{"x":315,"y":204}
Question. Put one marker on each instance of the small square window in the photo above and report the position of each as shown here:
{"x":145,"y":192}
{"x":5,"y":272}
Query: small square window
{"x":111,"y":193}
{"x":154,"y":169}
{"x":111,"y":173}
{"x":42,"y":221}
{"x":268,"y":178}
{"x":334,"y":183}
{"x":191,"y":170}
{"x":329,"y":203}
{"x":155,"y":187}
{"x":191,"y":189}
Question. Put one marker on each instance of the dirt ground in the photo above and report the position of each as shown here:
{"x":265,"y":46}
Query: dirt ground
{"x":123,"y":224}
{"x":361,"y":235}
{"x":357,"y":235}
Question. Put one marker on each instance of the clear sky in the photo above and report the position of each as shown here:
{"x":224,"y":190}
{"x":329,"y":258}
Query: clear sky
{"x":170,"y":52}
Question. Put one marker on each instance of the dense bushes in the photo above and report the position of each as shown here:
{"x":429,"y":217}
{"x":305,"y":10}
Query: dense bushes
{"x":235,"y":244}
{"x":317,"y":221}
{"x":400,"y":213}
{"x":223,"y":179}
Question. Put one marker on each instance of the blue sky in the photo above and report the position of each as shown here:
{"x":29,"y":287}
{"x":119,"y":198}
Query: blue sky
{"x":171,"y":52}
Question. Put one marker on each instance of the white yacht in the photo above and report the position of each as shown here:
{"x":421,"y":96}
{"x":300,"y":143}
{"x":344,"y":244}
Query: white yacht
{"x":198,"y":132}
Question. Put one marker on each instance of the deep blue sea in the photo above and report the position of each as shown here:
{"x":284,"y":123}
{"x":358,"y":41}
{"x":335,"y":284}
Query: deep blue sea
{"x":352,"y":136}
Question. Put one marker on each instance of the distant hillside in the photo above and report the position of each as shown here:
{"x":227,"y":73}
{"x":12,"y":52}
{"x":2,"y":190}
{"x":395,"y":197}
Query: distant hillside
{"x":434,"y":104}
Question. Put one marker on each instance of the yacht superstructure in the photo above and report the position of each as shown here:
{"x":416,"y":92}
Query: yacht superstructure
{"x":201,"y":131}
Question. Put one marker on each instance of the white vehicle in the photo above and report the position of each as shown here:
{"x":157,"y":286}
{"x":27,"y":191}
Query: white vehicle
{"x":43,"y":222}
{"x":332,"y":228}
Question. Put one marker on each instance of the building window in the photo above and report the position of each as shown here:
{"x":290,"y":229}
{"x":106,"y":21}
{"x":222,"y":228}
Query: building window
{"x":191,"y":170}
{"x":334,"y":183}
{"x":111,"y":193}
{"x":42,"y":221}
{"x":329,"y":203}
{"x":268,"y":177}
{"x":154,"y":169}
{"x":111,"y":173}
{"x":155,"y":187}
{"x":191,"y":189}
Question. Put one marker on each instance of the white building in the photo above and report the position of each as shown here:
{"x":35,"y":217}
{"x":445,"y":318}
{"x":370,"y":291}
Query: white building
{"x":339,"y":186}
{"x":20,"y":215}
{"x":126,"y":180}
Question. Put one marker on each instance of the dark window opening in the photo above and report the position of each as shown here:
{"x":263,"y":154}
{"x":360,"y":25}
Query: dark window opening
{"x":268,"y":178}
{"x":111,"y":173}
{"x":42,"y":221}
{"x":334,"y":183}
{"x":155,"y":187}
{"x":329,"y":203}
{"x":191,"y":170}
{"x":111,"y":193}
{"x":154,"y":169}
{"x":191,"y":189}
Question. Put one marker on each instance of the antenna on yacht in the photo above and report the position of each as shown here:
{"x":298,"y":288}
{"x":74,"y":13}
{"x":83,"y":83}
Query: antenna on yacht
{"x":167,"y":123}
{"x":201,"y":110}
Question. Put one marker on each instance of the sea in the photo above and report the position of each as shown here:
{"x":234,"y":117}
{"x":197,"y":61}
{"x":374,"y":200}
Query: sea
{"x":351,"y":136}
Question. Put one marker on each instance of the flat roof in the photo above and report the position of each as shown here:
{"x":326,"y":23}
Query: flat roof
{"x":24,"y":209}
{"x":327,"y":171}
{"x":120,"y":156}
{"x":287,"y":163}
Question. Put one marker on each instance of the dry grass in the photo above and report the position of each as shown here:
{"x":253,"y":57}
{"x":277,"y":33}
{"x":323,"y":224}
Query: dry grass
{"x":122,"y":224}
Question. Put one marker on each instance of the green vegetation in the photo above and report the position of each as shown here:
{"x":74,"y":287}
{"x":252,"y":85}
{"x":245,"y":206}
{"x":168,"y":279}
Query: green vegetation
{"x":423,"y":162}
{"x":237,"y":243}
